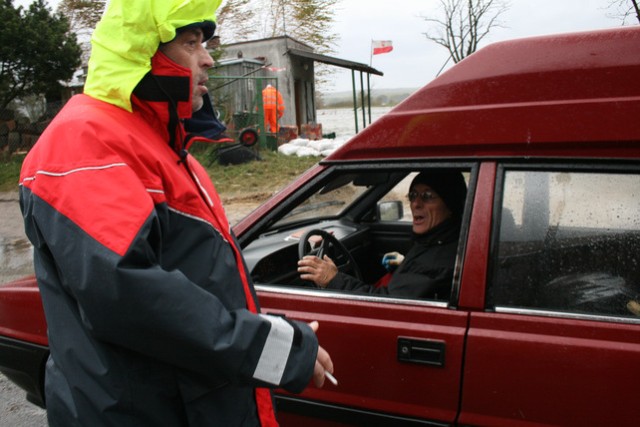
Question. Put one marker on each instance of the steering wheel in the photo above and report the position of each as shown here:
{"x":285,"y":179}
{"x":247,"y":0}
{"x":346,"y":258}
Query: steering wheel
{"x":331,"y":247}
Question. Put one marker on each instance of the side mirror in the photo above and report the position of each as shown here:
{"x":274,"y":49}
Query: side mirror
{"x":390,"y":211}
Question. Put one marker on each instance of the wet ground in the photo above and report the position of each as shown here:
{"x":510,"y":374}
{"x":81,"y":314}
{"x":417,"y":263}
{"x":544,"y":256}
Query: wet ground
{"x":15,"y":249}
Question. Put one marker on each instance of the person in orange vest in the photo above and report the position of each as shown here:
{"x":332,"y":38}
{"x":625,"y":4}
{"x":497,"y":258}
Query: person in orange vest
{"x":273,"y":108}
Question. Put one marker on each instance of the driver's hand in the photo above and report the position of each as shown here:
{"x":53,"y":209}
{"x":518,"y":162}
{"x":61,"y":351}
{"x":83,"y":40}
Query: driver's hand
{"x":391,"y":260}
{"x":316,"y":270}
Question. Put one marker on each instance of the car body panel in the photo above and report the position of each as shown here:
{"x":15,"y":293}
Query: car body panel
{"x":582,"y":372}
{"x":362,"y":337}
{"x":21,"y":312}
{"x":476,"y":258}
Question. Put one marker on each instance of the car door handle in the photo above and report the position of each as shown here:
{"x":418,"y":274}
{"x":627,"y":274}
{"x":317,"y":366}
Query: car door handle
{"x":424,"y":352}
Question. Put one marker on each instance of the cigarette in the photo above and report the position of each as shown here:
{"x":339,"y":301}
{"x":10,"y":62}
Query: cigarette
{"x":331,"y":378}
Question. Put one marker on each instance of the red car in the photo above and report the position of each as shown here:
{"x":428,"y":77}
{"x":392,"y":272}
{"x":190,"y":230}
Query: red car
{"x":542,"y":324}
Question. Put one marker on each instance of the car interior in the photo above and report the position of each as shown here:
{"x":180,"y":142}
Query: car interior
{"x":354,"y":216}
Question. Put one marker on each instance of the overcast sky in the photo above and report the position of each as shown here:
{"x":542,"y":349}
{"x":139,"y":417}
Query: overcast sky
{"x":414,"y":60}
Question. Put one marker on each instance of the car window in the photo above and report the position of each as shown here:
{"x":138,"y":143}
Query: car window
{"x":569,"y":242}
{"x":398,"y":194}
{"x":332,"y":198}
{"x":387,"y":259}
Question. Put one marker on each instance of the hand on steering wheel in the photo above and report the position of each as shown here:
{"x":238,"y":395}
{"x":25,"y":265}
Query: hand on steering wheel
{"x":329,"y":246}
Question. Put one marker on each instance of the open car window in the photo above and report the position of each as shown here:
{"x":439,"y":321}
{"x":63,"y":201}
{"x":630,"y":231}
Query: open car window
{"x":368,"y":211}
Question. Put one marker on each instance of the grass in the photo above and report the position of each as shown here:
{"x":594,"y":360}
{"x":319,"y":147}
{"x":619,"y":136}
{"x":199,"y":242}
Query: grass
{"x":271,"y":173}
{"x":10,"y":172}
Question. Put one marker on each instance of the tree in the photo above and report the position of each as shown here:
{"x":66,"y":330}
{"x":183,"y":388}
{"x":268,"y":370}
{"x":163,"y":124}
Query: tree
{"x":626,"y":10}
{"x":311,"y":21}
{"x":36,"y":53}
{"x":236,"y":20}
{"x":308,"y":21}
{"x":465,"y":24}
{"x":83,"y":16}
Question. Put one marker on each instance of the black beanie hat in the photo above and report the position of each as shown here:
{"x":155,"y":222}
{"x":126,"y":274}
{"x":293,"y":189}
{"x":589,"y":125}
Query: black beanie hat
{"x":208,"y":29}
{"x":449,"y":185}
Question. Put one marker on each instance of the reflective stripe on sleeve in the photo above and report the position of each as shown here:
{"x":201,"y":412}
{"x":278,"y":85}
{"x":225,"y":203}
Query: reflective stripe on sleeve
{"x":276,"y":350}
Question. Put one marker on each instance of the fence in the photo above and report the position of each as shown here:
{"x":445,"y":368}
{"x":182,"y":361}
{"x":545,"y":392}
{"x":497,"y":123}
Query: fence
{"x":18,"y":133}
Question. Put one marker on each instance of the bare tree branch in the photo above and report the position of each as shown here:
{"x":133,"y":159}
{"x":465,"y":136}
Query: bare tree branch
{"x":625,"y":10}
{"x":236,"y":20}
{"x":465,"y":24}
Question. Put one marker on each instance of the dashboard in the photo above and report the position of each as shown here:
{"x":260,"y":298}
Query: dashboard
{"x":273,"y":257}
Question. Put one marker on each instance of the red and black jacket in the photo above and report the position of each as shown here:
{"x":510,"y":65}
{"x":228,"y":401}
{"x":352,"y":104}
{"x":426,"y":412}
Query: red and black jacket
{"x":152,"y":316}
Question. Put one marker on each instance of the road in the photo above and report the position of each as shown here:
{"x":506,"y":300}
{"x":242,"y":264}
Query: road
{"x":16,"y":262}
{"x":15,"y":411}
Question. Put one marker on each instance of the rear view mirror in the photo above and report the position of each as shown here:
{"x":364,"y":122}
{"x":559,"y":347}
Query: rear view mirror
{"x":390,"y":211}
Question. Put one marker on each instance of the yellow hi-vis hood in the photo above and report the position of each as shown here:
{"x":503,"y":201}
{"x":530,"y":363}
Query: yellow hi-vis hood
{"x":128,"y":35}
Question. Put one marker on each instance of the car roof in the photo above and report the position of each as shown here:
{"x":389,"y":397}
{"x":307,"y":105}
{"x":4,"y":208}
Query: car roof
{"x":568,"y":95}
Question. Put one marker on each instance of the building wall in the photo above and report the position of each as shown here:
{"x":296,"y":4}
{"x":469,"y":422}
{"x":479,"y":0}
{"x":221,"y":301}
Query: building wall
{"x":294,"y":78}
{"x":234,"y":96}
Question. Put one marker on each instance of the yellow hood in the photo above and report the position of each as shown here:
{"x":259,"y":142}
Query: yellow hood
{"x":128,"y":35}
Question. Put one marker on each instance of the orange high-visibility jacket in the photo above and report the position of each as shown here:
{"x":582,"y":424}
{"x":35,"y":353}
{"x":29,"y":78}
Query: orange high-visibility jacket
{"x":272,"y":100}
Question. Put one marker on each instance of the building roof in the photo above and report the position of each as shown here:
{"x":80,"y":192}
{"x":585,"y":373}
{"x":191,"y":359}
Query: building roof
{"x":334,"y":61}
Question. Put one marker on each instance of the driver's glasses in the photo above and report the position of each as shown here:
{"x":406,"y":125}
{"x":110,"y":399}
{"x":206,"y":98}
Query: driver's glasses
{"x":425,"y":196}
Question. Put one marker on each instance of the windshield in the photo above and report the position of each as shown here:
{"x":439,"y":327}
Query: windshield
{"x":333,"y":198}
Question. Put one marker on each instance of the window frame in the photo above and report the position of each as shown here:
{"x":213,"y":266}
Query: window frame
{"x":625,"y":167}
{"x":352,"y":212}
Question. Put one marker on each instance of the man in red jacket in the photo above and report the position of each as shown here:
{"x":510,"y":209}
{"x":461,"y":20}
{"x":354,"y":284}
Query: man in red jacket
{"x":152,"y":316}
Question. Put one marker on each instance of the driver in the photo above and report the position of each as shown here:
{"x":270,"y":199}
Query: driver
{"x":437,"y":202}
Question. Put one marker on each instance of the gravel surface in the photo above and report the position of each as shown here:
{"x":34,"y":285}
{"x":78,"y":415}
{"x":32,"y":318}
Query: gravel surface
{"x":15,"y":411}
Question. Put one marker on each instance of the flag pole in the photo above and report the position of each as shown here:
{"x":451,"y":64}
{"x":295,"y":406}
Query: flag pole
{"x":371,"y":53}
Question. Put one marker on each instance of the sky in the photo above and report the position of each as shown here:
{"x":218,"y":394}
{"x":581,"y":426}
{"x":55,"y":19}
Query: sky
{"x":415,"y":61}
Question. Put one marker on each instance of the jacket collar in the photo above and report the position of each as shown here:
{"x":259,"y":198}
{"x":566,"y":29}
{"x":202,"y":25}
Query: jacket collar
{"x":445,"y":232}
{"x":163,"y":97}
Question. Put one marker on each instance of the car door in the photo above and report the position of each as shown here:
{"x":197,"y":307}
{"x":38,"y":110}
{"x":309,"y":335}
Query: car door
{"x":397,"y":361}
{"x":558,"y":339}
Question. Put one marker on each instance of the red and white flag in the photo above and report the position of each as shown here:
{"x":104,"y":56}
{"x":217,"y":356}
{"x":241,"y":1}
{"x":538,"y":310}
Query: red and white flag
{"x":274,"y":69}
{"x":381,"y":46}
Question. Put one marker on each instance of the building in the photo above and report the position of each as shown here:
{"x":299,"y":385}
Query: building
{"x":246,"y":67}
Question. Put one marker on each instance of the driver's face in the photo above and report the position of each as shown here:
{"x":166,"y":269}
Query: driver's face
{"x":427,"y":213}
